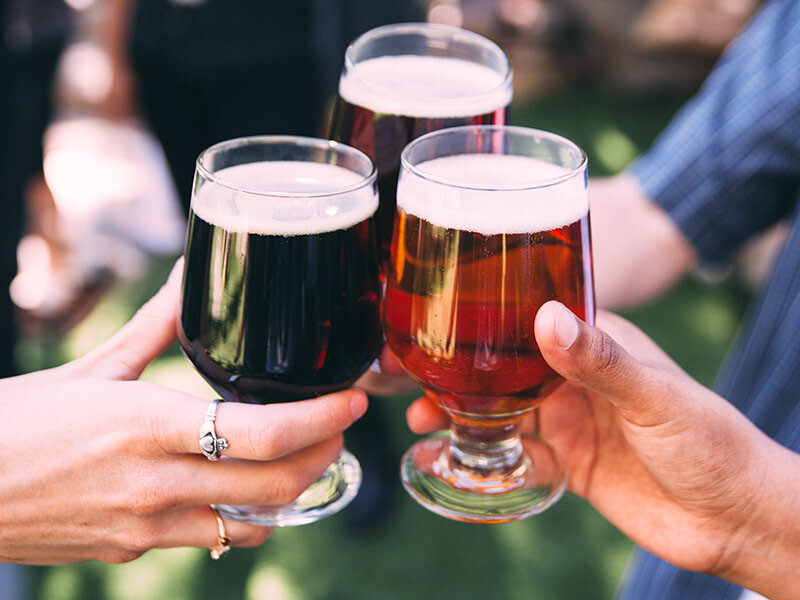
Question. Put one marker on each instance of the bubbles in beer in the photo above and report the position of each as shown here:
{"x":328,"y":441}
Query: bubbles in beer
{"x":461,"y":192}
{"x":425,"y":87}
{"x":285,"y":198}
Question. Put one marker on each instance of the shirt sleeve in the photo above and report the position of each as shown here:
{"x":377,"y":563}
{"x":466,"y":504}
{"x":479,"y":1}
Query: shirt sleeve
{"x":728,"y":165}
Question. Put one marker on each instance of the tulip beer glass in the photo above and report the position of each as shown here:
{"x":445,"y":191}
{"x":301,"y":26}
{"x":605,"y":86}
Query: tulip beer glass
{"x":491,"y":223}
{"x":281,"y":286}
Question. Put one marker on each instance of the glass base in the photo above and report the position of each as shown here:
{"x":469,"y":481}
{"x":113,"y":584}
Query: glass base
{"x":431,"y":476}
{"x":325,"y":497}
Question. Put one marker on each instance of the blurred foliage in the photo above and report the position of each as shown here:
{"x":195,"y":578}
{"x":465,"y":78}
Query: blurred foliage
{"x":570,"y":552}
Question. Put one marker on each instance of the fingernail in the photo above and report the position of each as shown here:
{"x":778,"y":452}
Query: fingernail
{"x":566,"y":328}
{"x":358,"y":405}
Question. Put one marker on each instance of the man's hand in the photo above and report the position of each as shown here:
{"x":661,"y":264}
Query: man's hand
{"x":673,"y":465}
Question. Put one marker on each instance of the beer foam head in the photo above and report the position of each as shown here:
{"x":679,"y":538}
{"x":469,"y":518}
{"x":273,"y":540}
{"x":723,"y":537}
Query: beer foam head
{"x":425,"y":86}
{"x":511,"y":194}
{"x":250,"y":198}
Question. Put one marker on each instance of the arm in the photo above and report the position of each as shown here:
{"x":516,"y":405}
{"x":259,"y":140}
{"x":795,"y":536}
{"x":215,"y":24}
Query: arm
{"x":765,"y":551}
{"x":724,"y":169}
{"x":115,"y":37}
{"x":677,"y":468}
{"x":638,"y":250}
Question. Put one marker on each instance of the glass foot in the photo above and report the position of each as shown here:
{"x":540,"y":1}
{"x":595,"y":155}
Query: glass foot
{"x":325,"y":497}
{"x":437,"y":482}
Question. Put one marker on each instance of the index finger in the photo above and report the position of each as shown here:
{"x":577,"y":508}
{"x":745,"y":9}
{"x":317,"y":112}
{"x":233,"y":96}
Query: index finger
{"x":259,"y":432}
{"x":424,"y":416}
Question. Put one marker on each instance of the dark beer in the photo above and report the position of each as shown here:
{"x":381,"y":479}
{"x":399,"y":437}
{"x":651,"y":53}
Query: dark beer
{"x":281,"y":297}
{"x":470,"y":269}
{"x":386,"y":102}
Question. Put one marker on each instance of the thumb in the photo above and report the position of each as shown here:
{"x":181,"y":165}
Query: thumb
{"x":151,"y":330}
{"x":590,"y":357}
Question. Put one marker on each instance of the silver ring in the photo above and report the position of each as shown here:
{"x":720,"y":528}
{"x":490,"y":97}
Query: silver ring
{"x":210,"y":445}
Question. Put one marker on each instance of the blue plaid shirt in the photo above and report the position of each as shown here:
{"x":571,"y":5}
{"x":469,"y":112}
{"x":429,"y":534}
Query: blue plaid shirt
{"x":727,"y":167}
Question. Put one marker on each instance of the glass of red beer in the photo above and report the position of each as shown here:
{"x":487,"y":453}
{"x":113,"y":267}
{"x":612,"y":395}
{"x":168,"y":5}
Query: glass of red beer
{"x":404,"y":80}
{"x":491,"y":223}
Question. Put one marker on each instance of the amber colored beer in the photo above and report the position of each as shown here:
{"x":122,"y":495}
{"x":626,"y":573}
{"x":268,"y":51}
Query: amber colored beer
{"x":462,"y":296}
{"x":492,"y":222}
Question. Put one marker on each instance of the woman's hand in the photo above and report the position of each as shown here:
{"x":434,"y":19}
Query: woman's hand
{"x":673,"y":465}
{"x":99,"y":466}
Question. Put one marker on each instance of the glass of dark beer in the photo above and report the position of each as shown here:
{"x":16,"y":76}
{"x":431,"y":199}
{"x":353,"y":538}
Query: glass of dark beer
{"x":402,"y":81}
{"x":281,"y":286}
{"x":492,"y":222}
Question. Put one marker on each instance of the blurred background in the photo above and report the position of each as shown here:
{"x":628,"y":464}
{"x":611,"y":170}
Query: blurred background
{"x":105,"y":106}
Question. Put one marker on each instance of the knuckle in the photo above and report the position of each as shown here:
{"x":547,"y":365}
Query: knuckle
{"x":140,"y":417}
{"x":266,"y":442}
{"x":140,"y":537}
{"x":606,"y":354}
{"x":335,"y":414}
{"x":288,"y":488}
{"x":148,"y":495}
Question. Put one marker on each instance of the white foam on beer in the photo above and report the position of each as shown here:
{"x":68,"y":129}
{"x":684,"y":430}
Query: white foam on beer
{"x":242,"y":211}
{"x":508,"y":209}
{"x":425,"y":86}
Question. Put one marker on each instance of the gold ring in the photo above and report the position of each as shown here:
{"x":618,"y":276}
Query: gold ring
{"x":223,"y":541}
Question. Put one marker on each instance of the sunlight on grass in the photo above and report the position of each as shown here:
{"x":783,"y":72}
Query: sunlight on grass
{"x":61,"y":583}
{"x":521,"y":549}
{"x":614,"y":149}
{"x":158,"y":574}
{"x":716,"y":321}
{"x":268,"y":582}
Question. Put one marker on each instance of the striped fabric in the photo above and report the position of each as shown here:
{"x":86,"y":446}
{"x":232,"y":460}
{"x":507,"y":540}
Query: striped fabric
{"x":727,"y":167}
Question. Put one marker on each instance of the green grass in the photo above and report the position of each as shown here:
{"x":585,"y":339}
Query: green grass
{"x":570,"y":552}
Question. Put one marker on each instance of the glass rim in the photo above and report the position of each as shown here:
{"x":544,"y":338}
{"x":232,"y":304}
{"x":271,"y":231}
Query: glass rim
{"x":289,"y":140}
{"x":496,"y":187}
{"x":441,"y":31}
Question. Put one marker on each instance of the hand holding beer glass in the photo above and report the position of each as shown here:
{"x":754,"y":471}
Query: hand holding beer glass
{"x":491,"y":223}
{"x":281,"y":286}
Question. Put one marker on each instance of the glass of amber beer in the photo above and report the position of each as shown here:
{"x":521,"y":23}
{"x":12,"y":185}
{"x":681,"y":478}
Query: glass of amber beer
{"x":491,"y":223}
{"x":281,"y":286}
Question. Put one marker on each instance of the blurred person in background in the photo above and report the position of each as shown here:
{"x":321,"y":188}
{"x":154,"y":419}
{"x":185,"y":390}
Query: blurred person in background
{"x":203,"y":71}
{"x":211,"y":71}
{"x":33,"y":36}
{"x":706,"y":487}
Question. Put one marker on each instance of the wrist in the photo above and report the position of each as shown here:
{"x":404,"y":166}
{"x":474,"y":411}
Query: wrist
{"x":763,"y":549}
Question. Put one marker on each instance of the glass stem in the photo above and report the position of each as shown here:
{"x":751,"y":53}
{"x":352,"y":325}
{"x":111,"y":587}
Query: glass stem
{"x":488,"y":449}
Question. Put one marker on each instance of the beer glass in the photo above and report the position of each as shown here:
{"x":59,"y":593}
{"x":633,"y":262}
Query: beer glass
{"x":491,"y":223}
{"x":281,"y":286}
{"x":402,"y":81}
